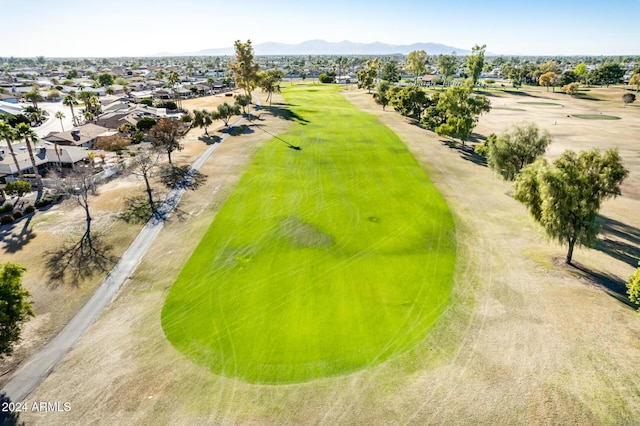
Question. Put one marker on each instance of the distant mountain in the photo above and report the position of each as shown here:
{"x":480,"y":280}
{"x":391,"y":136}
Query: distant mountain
{"x":321,"y":47}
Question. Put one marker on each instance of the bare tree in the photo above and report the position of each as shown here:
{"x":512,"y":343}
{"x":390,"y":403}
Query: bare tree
{"x":145,"y":165}
{"x":89,"y":255}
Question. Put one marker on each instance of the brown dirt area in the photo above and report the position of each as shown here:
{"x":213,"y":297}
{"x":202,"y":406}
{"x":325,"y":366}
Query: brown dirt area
{"x":525,"y":340}
{"x":29,"y":241}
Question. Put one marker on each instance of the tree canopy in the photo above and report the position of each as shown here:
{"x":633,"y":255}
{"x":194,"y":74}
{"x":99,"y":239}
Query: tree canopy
{"x":15,"y":309}
{"x":245,"y":70}
{"x":475,"y":62}
{"x":164,"y":135}
{"x":447,"y":65}
{"x":565,"y":197}
{"x":409,"y":101}
{"x":417,"y":60}
{"x":456,"y":112}
{"x":269,"y":82}
{"x":390,"y":72}
{"x":367,"y":76}
{"x":513,"y":150}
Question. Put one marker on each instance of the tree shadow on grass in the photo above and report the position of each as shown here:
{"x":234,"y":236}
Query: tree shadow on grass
{"x":619,"y":240}
{"x":75,"y":262}
{"x":286,"y":114}
{"x":289,"y":145}
{"x":238,"y":130}
{"x":137,"y":209}
{"x":466,"y":152}
{"x":210,"y":140}
{"x":8,"y":417}
{"x":611,"y":284}
{"x":13,"y":243}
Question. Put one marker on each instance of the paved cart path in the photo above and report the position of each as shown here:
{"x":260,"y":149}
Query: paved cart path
{"x":36,"y":368}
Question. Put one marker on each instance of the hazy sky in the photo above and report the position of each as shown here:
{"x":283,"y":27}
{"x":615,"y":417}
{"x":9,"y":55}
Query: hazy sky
{"x":72,"y":28}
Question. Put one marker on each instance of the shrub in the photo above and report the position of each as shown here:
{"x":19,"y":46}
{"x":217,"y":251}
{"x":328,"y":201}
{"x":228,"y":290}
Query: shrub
{"x":170,"y":105}
{"x":489,"y":81}
{"x":146,"y":101}
{"x":185,"y":118}
{"x":29,"y":209}
{"x":324,"y":78}
{"x":17,"y":214}
{"x":45,"y":201}
{"x":146,"y":123}
{"x":483,"y":148}
{"x":112,"y":143}
{"x":7,"y":207}
{"x":137,"y":137}
{"x":6,"y":219}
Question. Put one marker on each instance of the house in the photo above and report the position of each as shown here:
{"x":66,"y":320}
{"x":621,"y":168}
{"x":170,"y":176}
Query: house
{"x":120,"y":113}
{"x":47,"y":156}
{"x":84,"y":136}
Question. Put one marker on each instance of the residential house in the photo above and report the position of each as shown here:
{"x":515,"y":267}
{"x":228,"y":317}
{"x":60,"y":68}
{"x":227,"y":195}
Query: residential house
{"x":84,"y":136}
{"x":47,"y":156}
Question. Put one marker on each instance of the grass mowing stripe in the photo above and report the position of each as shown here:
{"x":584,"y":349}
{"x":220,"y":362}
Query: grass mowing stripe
{"x":322,"y":261}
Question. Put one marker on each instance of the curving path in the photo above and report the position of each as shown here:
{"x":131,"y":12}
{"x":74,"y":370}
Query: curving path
{"x":37,"y":367}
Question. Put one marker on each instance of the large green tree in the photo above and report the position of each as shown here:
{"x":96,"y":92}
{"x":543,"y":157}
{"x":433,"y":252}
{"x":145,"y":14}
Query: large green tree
{"x":459,"y":110}
{"x":390,"y":72}
{"x":514,"y":149}
{"x":447,"y":65}
{"x":202,"y":119}
{"x":410,"y":101}
{"x":245,"y":70}
{"x":367,"y":75}
{"x":416,"y":64}
{"x":565,"y":197}
{"x":15,"y":309}
{"x":380,"y":95}
{"x":475,"y":62}
{"x":269,"y":81}
{"x":105,"y":79}
{"x":548,"y":79}
{"x":224,"y":112}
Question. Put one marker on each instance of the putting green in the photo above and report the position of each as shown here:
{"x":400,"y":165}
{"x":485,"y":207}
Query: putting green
{"x":322,"y":261}
{"x":540,"y":103}
{"x":595,"y":117}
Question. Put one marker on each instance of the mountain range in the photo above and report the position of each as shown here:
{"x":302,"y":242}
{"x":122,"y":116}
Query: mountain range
{"x":322,"y":47}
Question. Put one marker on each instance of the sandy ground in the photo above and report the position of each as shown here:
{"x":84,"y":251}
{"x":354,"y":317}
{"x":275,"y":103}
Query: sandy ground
{"x":525,"y":340}
{"x":29,"y":241}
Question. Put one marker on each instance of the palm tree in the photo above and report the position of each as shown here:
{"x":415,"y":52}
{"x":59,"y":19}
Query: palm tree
{"x":9,"y":134}
{"x":25,"y":131}
{"x":70,"y":101}
{"x":60,"y":115}
{"x":172,"y":81}
{"x":34,"y":96}
{"x":88,"y":116}
{"x":211,"y":82}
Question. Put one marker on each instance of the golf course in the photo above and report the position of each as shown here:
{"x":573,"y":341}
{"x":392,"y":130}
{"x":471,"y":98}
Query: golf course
{"x":325,"y":259}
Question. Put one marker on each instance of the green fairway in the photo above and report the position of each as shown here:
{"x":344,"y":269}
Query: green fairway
{"x":540,"y":103}
{"x":322,"y":261}
{"x":595,"y":117}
